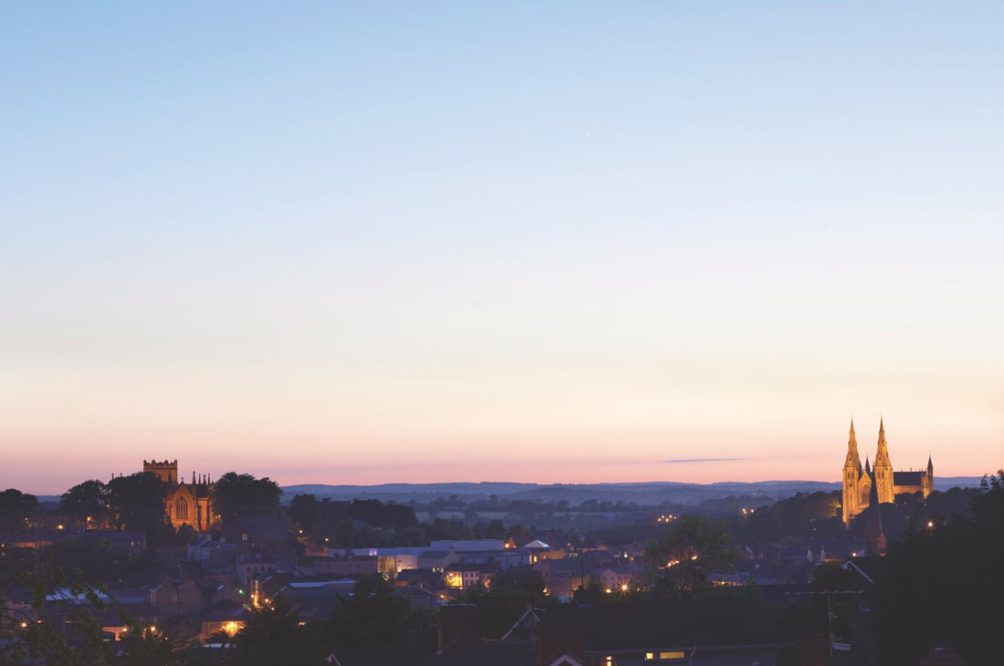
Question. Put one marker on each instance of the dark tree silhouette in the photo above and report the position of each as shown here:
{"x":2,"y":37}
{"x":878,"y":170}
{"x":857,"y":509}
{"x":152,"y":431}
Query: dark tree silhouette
{"x":86,"y":500}
{"x":236,"y":495}
{"x":136,"y":502}
{"x":943,"y":587}
{"x":373,"y":616}
{"x":303,"y":511}
{"x":273,"y":636}
{"x":507,"y":598}
{"x":689,"y":547}
{"x":15,"y":508}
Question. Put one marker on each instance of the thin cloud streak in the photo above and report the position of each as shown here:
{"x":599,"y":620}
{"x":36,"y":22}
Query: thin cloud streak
{"x":687,"y":461}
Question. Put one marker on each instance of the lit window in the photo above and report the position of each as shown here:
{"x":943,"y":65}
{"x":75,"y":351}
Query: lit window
{"x":669,"y":656}
{"x":649,"y":656}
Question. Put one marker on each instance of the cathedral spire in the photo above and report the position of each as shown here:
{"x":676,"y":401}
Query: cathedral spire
{"x":868,"y":466}
{"x":853,"y":460}
{"x":882,"y":455}
{"x":884,"y":477}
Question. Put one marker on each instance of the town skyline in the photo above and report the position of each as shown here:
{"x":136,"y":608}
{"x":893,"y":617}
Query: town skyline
{"x":539,"y":334}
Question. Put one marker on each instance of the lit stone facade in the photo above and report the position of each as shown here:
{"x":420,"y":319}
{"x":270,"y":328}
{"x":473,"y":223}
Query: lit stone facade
{"x":185,"y":503}
{"x":858,"y":482}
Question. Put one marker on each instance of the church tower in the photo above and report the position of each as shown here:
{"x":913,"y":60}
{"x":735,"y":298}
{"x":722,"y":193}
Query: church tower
{"x":883,"y":470}
{"x":928,"y":483}
{"x":852,"y":472}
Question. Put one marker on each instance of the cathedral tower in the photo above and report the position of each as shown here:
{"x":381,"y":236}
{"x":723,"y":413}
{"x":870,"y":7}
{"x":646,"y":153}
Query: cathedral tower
{"x":166,"y":471}
{"x":928,"y":478}
{"x":882,"y":470}
{"x":852,"y":472}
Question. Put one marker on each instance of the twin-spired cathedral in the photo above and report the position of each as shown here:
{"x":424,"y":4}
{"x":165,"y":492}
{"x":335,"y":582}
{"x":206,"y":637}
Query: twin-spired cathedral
{"x":185,"y":503}
{"x":858,"y":482}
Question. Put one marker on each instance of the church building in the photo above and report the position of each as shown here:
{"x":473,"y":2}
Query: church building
{"x":858,"y":482}
{"x":185,"y":503}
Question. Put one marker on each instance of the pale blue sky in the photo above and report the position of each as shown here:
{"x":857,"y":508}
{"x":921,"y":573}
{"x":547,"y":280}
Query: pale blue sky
{"x":435,"y":241}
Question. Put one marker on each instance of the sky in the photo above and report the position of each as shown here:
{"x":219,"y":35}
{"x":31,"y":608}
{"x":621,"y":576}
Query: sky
{"x":555,"y":242}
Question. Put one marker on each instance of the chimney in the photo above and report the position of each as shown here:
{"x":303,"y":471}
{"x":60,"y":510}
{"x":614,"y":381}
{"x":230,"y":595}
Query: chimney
{"x":459,"y":623}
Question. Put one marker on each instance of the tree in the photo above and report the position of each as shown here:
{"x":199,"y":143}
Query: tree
{"x":236,"y":495}
{"x":32,"y":636}
{"x":507,"y":598}
{"x":680,"y":557}
{"x":87,"y":500}
{"x":303,"y":511}
{"x":136,"y":502}
{"x":15,"y":508}
{"x":273,"y":636}
{"x":942,"y":587}
{"x":495,"y":530}
{"x":146,"y":646}
{"x":373,"y":616}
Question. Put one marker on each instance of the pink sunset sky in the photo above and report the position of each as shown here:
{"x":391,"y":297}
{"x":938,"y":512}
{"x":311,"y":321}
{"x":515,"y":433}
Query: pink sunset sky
{"x":560,"y":243}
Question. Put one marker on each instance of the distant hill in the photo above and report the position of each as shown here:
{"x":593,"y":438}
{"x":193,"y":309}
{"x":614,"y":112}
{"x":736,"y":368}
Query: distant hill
{"x":650,"y":493}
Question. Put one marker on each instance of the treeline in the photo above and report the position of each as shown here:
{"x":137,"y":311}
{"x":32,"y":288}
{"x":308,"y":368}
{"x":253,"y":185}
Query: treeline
{"x":526,"y":506}
{"x":940,"y":586}
{"x":362,"y":523}
{"x":136,"y":502}
{"x":818,"y":516}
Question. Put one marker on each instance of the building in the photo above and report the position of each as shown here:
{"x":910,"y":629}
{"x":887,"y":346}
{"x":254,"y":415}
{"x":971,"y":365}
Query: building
{"x":723,"y":631}
{"x":184,"y":504}
{"x":858,"y":482}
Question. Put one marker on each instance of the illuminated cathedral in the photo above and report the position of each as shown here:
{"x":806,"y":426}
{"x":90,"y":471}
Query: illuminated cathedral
{"x":887,"y":484}
{"x":185,"y":503}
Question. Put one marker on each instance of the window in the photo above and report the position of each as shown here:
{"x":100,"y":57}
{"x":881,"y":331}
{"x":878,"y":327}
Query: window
{"x":181,"y":509}
{"x":649,"y":656}
{"x":671,"y":656}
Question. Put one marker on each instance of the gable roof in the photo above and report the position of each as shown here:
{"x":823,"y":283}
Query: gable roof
{"x":908,"y":478}
{"x":666,"y":624}
{"x":537,"y":544}
{"x":484,"y":653}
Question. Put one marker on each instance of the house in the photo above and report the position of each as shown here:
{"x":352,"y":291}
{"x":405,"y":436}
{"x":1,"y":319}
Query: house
{"x":463,"y":576}
{"x":350,"y":565}
{"x":228,"y":620}
{"x":618,"y":577}
{"x":717,"y":631}
{"x":316,"y":599}
{"x":564,"y":576}
{"x":505,"y":559}
{"x":459,"y":642}
{"x":252,"y":570}
{"x":437,"y":560}
{"x":423,"y":579}
{"x":177,"y":599}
